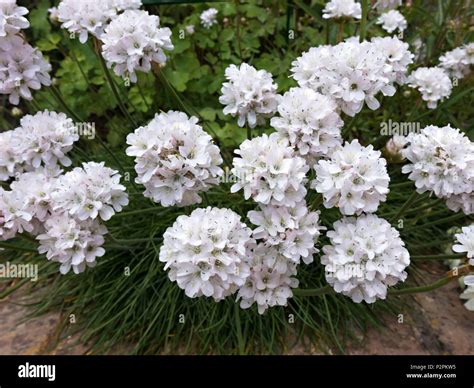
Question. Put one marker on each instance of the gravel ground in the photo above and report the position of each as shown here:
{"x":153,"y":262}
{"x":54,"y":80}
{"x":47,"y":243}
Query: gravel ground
{"x":436,"y":323}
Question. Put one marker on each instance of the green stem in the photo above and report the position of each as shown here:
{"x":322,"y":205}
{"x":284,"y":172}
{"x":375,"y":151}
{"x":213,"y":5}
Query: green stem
{"x":439,"y":257}
{"x":405,"y":206}
{"x":440,"y":221}
{"x":17,"y":248}
{"x":363,"y":21}
{"x":313,"y":291}
{"x":249,"y":132}
{"x":10,"y":290}
{"x":57,"y":94}
{"x":114,"y":89}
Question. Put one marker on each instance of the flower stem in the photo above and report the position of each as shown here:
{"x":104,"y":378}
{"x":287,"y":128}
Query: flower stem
{"x":313,"y":291}
{"x":450,"y":275}
{"x":112,"y":85}
{"x":17,"y":248}
{"x":439,"y":257}
{"x":57,"y":95}
{"x":363,"y":21}
{"x":405,"y":206}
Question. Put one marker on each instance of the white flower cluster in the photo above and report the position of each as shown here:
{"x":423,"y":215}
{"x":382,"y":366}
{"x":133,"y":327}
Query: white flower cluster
{"x":269,"y":171}
{"x":206,"y":252}
{"x":310,"y":122}
{"x":42,"y":139}
{"x":250,"y":94}
{"x":365,"y":257}
{"x":61,"y":210}
{"x":175,"y":159}
{"x":442,"y":161}
{"x":133,"y":41}
{"x":392,"y":20}
{"x":354,"y":179}
{"x":385,"y":5}
{"x":208,"y":17}
{"x":458,"y":62}
{"x":90,"y":191}
{"x":353,"y":73}
{"x":22,"y":68}
{"x":72,"y":243}
{"x":286,"y":236}
{"x":465,"y":242}
{"x":86,"y":17}
{"x":433,"y":83}
{"x":12,"y":18}
{"x":342,"y":9}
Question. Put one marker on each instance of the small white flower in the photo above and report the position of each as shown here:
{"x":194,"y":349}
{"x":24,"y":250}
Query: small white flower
{"x":342,"y":9}
{"x":310,"y":122}
{"x":441,"y":161}
{"x":206,"y":252}
{"x":209,"y":17}
{"x":365,"y":257}
{"x":465,"y":242}
{"x":269,"y":171}
{"x":133,"y":41}
{"x":392,"y":20}
{"x":175,"y":159}
{"x":354,"y":179}
{"x":433,"y":83}
{"x":189,"y":29}
{"x":12,"y":18}
{"x":250,"y":94}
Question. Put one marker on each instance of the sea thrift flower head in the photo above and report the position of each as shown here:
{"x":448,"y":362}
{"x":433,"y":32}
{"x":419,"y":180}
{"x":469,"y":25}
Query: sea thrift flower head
{"x":133,"y":41}
{"x":392,"y":20}
{"x":342,"y":9}
{"x":365,"y":257}
{"x":393,"y":148}
{"x":72,"y":243}
{"x":86,"y":17}
{"x":22,"y":68}
{"x":353,"y":73}
{"x":206,"y":252}
{"x":397,"y":57}
{"x":209,"y":17}
{"x":35,"y":188}
{"x":266,"y":286}
{"x":465,"y":242}
{"x":175,"y":159}
{"x":457,"y":62}
{"x":269,"y":171}
{"x":310,"y":122}
{"x":43,"y":139}
{"x":89,"y":192}
{"x":249,"y":94}
{"x":294,"y":232}
{"x":433,"y":83}
{"x":441,"y":161}
{"x":12,"y":18}
{"x":354,"y":179}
